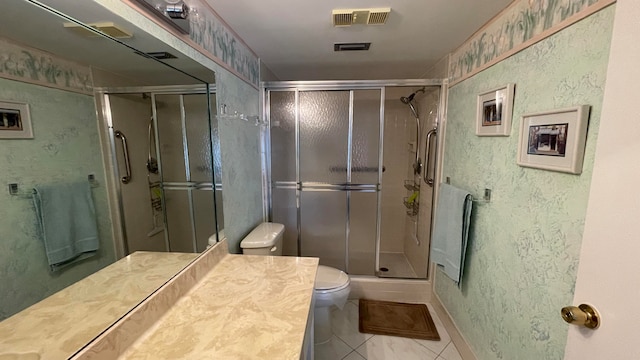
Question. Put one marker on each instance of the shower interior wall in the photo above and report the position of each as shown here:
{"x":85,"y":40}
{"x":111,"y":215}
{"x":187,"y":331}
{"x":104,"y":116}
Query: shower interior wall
{"x":399,"y":233}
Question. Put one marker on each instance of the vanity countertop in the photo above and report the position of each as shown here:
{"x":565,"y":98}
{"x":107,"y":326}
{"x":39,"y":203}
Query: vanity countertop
{"x":246,"y":307}
{"x":60,"y":325}
{"x":222,"y":306}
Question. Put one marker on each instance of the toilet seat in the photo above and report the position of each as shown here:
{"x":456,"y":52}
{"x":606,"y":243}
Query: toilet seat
{"x":329,"y":279}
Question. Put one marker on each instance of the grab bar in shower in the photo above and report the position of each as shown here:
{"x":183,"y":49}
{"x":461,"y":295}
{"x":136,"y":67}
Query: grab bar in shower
{"x":427,"y":154}
{"x":125,"y":151}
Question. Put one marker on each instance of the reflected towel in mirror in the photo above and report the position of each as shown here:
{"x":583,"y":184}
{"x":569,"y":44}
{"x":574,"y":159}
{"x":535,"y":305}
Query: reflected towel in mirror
{"x":67,"y":222}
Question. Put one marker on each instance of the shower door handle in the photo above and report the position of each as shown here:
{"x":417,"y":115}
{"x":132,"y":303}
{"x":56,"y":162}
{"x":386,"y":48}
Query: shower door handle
{"x":125,"y":151}
{"x":427,"y":155}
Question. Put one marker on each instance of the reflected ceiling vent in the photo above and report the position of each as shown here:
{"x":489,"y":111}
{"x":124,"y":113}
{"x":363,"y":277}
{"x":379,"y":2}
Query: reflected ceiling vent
{"x":348,"y":17}
{"x":158,"y":55}
{"x":352,"y":46}
{"x":108,"y":28}
{"x":162,"y":55}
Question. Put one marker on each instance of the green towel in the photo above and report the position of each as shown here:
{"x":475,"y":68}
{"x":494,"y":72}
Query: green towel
{"x":451,"y":230}
{"x":67,"y":221}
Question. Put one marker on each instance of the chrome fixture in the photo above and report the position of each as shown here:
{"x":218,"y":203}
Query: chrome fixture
{"x":125,"y":152}
{"x":428,"y":178}
{"x":172,"y":12}
{"x":417,"y":164}
{"x":177,"y":11}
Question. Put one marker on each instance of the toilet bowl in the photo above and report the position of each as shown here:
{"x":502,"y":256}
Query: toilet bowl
{"x":331,"y":287}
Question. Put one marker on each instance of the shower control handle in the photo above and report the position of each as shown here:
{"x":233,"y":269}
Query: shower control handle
{"x":427,"y":158}
{"x":125,"y":151}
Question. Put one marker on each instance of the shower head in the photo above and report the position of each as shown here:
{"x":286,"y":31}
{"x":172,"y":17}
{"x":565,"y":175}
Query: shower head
{"x":408,"y":99}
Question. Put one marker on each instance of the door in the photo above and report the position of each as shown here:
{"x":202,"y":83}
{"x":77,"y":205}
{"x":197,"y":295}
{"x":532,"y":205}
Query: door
{"x":609,"y":267}
{"x":325,"y":166}
{"x":169,"y":206}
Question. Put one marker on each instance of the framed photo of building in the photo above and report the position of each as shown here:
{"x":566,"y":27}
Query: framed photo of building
{"x":494,"y":111}
{"x":554,"y":140}
{"x":15,"y":122}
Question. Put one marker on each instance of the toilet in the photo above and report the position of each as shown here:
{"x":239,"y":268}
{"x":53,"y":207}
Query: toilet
{"x":331,"y":287}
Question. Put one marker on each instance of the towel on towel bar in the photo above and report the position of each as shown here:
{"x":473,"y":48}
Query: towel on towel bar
{"x":67,"y":220}
{"x":451,"y":230}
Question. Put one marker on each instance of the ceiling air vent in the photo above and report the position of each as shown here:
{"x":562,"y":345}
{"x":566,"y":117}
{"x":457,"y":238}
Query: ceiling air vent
{"x":342,"y":17}
{"x":352,"y":46}
{"x":108,"y":28}
{"x":348,"y":17}
{"x":378,"y":16}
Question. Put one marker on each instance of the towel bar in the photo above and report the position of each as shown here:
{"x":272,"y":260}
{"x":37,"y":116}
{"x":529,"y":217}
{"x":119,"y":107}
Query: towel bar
{"x":486,"y":197}
{"x":14,"y":188}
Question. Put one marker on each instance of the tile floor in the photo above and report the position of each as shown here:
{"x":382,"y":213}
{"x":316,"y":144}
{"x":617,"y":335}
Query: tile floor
{"x":348,"y":343}
{"x":397,"y":264}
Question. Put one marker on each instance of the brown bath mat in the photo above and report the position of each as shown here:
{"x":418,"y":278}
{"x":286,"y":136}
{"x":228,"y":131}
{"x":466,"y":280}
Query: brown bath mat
{"x":397,"y":319}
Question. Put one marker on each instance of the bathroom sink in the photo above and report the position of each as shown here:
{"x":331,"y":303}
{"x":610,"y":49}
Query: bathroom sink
{"x":23,"y":356}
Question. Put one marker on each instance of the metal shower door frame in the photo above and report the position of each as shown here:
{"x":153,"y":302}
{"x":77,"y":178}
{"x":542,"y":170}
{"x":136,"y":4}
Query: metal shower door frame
{"x":103,"y":93}
{"x":351,"y":86}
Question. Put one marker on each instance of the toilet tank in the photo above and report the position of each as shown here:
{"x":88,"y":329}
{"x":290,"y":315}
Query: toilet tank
{"x":265,"y":239}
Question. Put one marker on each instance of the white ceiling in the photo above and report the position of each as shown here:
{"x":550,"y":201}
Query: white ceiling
{"x":295,"y":38}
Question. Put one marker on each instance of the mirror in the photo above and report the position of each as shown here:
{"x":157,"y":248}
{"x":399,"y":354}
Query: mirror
{"x":66,"y":73}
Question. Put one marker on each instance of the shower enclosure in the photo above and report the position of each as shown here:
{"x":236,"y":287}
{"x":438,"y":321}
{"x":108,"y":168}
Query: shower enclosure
{"x":164,"y":154}
{"x":346,"y":172}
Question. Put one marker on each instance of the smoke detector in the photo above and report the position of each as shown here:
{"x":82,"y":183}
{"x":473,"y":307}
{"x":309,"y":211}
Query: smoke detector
{"x":348,"y":17}
{"x":108,"y":28}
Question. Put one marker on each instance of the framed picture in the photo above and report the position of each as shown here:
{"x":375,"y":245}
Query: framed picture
{"x":554,"y":140}
{"x":15,"y":122}
{"x":494,"y":111}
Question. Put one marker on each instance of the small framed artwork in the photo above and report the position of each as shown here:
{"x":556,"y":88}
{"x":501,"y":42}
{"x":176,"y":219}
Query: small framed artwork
{"x":15,"y":122}
{"x":554,"y":140}
{"x":494,"y":111}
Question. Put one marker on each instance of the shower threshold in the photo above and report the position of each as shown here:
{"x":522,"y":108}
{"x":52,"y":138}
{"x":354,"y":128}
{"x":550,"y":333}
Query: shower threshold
{"x":396,"y":266}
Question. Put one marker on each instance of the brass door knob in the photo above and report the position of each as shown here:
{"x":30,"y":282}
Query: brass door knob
{"x":582,"y":315}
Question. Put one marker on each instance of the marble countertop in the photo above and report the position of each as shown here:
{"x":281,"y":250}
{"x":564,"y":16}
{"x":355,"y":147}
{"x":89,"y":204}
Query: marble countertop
{"x":60,"y":325}
{"x":247,"y":307}
{"x":222,"y":306}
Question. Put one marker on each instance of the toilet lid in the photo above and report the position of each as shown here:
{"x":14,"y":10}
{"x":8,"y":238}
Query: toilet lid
{"x":330,"y":278}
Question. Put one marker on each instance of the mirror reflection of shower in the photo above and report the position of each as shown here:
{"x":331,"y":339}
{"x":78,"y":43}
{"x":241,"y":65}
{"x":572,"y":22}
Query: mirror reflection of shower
{"x":154,"y":180}
{"x":417,"y":164}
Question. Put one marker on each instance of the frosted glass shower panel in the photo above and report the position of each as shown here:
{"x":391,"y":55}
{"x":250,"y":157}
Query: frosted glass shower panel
{"x":283,"y":135}
{"x":284,"y":211}
{"x":324,"y":130}
{"x":178,"y":215}
{"x":366,"y":136}
{"x":169,"y":116}
{"x":198,"y":137}
{"x":362,"y":233}
{"x":323,"y":217}
{"x":203,"y":217}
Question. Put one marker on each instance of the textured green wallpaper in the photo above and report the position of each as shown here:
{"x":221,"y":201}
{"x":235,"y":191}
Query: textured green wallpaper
{"x":524,"y":246}
{"x":65,"y":147}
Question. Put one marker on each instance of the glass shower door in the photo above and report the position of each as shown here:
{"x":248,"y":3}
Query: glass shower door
{"x":325,"y":174}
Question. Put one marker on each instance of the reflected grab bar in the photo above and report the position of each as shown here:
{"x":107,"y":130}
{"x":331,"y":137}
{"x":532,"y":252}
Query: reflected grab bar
{"x":125,"y":151}
{"x":427,"y":154}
